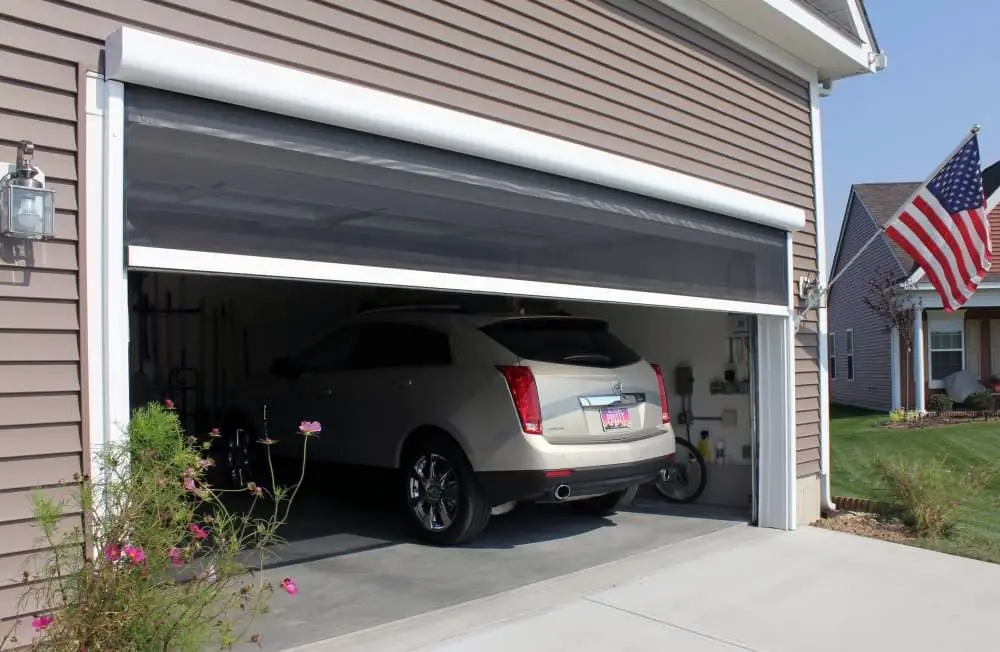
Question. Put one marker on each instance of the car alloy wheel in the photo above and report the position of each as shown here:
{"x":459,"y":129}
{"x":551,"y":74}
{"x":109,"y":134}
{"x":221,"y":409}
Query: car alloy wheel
{"x":433,"y":492}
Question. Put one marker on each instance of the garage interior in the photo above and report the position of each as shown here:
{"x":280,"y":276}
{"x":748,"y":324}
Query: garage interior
{"x":197,"y":339}
{"x":233,"y":183}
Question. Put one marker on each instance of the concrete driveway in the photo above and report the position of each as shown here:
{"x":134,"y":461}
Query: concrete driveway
{"x":736,"y":588}
{"x":357,"y":568}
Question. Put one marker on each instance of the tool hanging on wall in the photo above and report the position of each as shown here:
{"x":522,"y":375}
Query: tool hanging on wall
{"x":183,"y":381}
{"x":216,"y":358}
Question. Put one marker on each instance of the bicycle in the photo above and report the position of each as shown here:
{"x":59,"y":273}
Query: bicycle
{"x":686,"y":479}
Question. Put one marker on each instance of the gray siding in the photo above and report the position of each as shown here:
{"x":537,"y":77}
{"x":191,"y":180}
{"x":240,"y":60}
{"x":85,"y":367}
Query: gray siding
{"x":626,"y":76}
{"x":872,"y":384}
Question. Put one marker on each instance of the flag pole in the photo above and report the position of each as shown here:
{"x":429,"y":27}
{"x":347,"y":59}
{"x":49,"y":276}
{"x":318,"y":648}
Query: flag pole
{"x":972,"y":133}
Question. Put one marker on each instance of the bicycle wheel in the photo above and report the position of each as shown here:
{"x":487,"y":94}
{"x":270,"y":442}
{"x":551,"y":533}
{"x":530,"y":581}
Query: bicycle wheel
{"x":687,"y":478}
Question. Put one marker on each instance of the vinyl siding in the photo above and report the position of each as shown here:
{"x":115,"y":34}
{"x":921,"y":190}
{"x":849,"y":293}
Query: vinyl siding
{"x":40,"y":379}
{"x":872,"y":384}
{"x":627,"y":76}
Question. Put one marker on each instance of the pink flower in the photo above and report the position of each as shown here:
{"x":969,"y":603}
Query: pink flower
{"x":290,"y":586}
{"x":189,"y":484}
{"x":254,"y":489}
{"x":206,"y":463}
{"x":112,"y":552}
{"x":198,"y":531}
{"x":168,"y":404}
{"x":134,"y":554}
{"x":310,"y":427}
{"x":215,"y":433}
{"x":42,"y":622}
{"x":176,"y":557}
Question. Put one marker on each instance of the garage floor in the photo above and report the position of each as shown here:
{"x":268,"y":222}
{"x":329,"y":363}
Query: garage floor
{"x":357,"y":568}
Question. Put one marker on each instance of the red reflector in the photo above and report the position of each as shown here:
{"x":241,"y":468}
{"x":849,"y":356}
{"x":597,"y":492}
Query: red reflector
{"x":524,"y":392}
{"x":561,"y":473}
{"x":661,"y":386}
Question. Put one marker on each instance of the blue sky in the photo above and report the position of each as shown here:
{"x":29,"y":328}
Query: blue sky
{"x":899,"y":125}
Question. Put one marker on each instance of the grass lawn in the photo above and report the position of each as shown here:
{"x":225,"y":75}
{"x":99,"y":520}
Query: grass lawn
{"x":857,"y":438}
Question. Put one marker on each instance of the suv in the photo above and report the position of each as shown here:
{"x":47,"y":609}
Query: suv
{"x":478,"y":412}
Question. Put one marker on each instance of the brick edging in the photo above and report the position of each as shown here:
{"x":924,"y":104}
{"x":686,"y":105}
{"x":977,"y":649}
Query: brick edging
{"x":849,"y":504}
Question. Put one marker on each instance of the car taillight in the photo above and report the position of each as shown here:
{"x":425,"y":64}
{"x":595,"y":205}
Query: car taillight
{"x":664,"y":406}
{"x":524,"y":391}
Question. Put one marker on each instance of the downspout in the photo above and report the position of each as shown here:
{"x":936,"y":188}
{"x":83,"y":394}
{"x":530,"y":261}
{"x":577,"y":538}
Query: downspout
{"x":826,"y":500}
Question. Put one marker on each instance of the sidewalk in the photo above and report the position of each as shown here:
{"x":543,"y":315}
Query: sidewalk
{"x":737,"y":589}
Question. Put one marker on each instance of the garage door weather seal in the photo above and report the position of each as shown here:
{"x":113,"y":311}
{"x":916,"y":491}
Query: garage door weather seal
{"x":204,"y":262}
{"x":140,"y":57}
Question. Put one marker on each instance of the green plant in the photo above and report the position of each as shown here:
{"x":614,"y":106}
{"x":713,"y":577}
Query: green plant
{"x":163,"y":564}
{"x":940,"y":403}
{"x":981,"y":401}
{"x":927,"y":496}
{"x":897,"y":416}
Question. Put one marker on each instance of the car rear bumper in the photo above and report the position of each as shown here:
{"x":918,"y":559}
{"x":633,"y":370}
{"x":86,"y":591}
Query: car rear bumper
{"x":540,"y":485}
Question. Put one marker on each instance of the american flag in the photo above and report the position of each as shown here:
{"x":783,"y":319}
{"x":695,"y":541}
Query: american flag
{"x":944,"y":227}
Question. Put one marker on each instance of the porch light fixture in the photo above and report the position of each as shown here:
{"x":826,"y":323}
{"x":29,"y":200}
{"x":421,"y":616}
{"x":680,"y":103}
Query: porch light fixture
{"x":27,"y":207}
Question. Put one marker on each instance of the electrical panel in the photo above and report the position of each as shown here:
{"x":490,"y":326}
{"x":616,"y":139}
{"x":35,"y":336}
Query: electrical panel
{"x":739,"y":325}
{"x":684,"y":380}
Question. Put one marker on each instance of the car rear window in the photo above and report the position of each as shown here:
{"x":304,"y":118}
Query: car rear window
{"x":575,"y":341}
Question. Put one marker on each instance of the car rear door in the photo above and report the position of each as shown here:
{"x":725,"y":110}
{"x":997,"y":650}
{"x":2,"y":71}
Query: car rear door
{"x":592,"y":388}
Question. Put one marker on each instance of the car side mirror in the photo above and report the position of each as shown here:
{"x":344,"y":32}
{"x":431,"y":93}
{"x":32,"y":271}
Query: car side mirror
{"x":285,"y":368}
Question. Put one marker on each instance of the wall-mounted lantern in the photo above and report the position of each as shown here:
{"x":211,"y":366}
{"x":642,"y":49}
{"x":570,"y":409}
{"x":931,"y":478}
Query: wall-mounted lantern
{"x":27,"y":207}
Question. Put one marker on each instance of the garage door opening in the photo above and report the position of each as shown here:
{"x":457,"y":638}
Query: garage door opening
{"x":214,"y":345}
{"x":231,"y":238}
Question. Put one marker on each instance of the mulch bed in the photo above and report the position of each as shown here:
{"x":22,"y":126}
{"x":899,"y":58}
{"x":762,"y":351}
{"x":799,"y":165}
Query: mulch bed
{"x":934,"y":420}
{"x":868,"y":524}
{"x":866,"y":518}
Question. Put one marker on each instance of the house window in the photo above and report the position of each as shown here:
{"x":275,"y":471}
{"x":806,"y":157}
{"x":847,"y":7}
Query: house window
{"x":945,"y":345}
{"x":831,"y":349}
{"x":850,"y":353}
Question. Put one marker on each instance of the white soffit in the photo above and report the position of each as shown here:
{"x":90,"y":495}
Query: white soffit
{"x":139,"y":57}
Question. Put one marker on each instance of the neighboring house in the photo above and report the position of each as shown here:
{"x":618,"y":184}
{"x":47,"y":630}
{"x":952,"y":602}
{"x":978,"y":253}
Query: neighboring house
{"x":867,"y":367}
{"x":685,"y":102}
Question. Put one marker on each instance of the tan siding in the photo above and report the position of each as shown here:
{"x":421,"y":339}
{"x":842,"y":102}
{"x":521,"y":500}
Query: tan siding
{"x":43,"y":315}
{"x":40,"y":426}
{"x":34,"y":378}
{"x":46,"y":439}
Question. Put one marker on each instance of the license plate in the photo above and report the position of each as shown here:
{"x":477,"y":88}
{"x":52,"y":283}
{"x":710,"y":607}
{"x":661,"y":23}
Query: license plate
{"x":615,"y":418}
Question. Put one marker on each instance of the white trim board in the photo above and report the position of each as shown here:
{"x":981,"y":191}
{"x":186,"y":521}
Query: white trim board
{"x":203,"y":262}
{"x":170,"y":64}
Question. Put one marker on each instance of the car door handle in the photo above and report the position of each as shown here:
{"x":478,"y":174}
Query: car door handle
{"x":326,"y":392}
{"x":402,"y":384}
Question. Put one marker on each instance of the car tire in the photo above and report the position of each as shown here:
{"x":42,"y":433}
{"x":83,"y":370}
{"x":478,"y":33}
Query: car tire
{"x":448,"y":507}
{"x":607,"y":504}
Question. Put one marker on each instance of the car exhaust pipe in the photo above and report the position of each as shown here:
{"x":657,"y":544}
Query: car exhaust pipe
{"x":562,"y":492}
{"x":663,"y":475}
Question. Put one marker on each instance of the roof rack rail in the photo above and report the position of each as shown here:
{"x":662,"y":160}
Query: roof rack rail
{"x":434,"y":307}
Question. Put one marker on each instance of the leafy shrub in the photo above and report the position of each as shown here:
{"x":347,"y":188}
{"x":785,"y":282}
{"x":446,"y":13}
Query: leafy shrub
{"x":981,"y":401}
{"x":163,"y":564}
{"x":927,"y":496}
{"x":897,"y":416}
{"x":940,"y":403}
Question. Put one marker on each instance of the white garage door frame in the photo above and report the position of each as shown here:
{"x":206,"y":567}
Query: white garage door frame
{"x":168,"y":64}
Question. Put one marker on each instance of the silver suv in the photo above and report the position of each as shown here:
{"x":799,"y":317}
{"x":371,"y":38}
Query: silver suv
{"x":478,"y":412}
